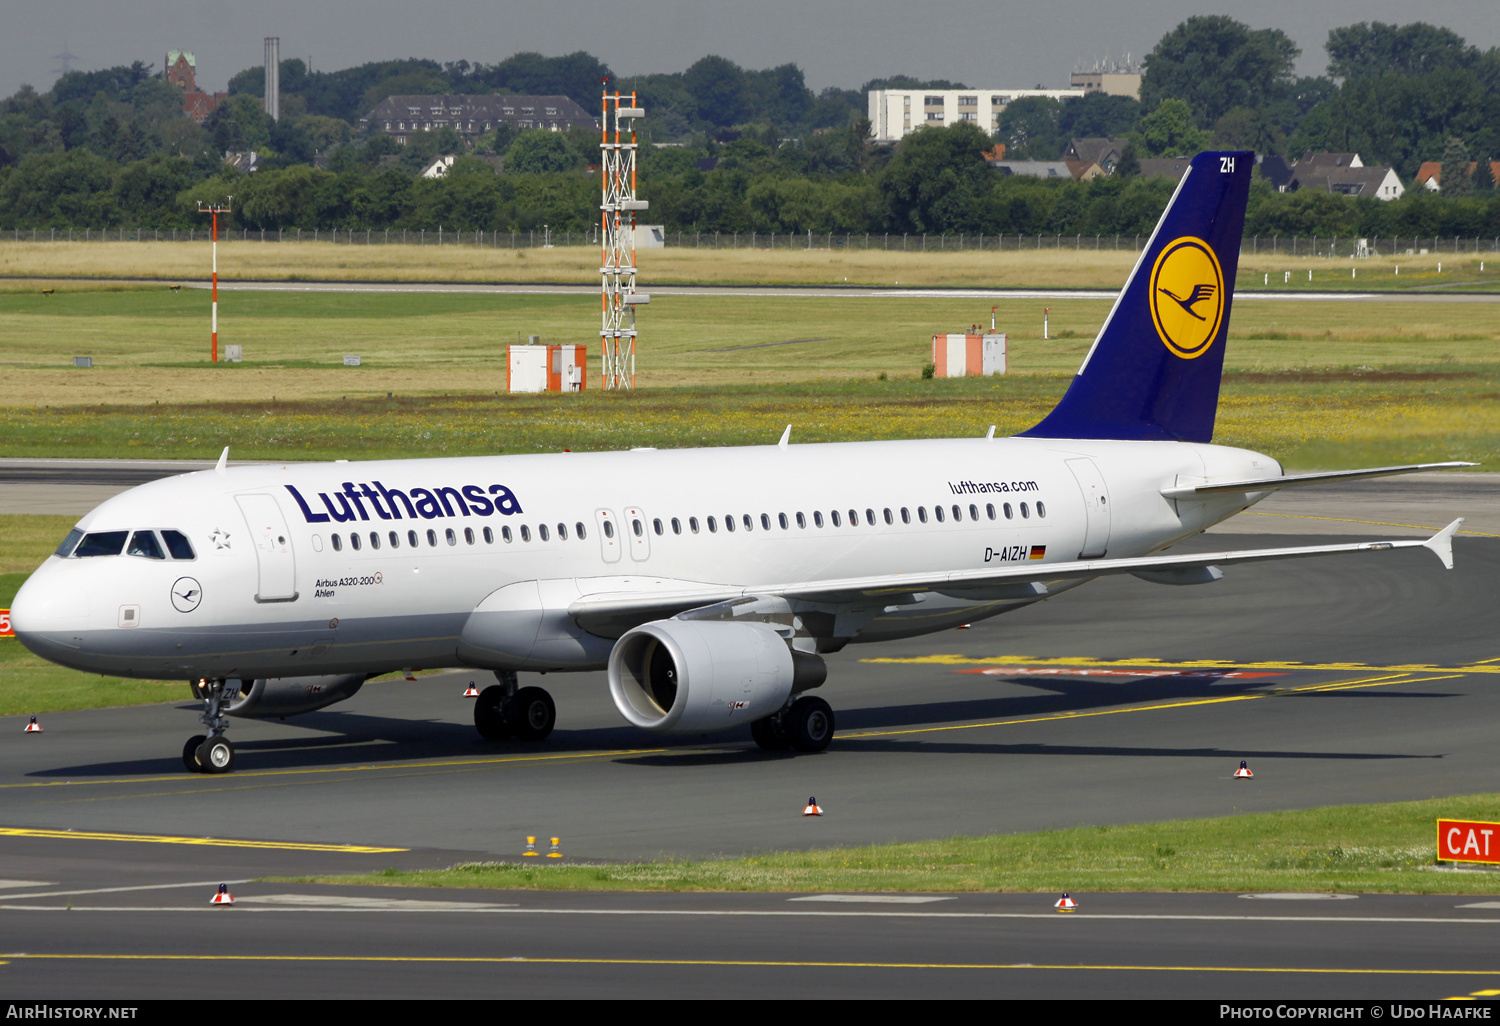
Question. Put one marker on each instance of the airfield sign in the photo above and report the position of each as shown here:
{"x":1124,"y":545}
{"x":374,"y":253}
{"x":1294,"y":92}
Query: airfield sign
{"x":1462,"y":840}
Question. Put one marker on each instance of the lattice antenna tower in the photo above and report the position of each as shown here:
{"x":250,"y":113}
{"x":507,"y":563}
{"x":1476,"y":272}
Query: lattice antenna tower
{"x":618,"y":208}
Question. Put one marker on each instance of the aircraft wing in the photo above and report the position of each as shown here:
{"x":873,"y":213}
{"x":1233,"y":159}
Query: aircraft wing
{"x":609,"y":612}
{"x":1268,"y":484}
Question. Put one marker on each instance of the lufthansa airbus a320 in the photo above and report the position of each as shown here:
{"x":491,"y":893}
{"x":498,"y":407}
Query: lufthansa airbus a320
{"x":708,"y":582}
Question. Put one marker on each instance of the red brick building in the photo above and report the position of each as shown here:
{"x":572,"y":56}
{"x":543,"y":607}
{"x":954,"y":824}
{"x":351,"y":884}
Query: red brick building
{"x":182,"y":71}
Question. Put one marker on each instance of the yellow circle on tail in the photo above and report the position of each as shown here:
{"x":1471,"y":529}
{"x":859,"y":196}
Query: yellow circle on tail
{"x":1187,"y":296}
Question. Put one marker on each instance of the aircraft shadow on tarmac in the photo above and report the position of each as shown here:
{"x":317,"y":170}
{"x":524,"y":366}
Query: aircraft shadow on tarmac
{"x":1066,"y":695}
{"x":348,"y":738}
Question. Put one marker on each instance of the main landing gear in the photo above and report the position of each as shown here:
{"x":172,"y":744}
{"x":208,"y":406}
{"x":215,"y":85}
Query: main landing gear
{"x":213,"y":753}
{"x":806,"y":725}
{"x":504,"y":710}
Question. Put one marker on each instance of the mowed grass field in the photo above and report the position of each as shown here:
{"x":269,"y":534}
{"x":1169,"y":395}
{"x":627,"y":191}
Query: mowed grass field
{"x":1026,"y":267}
{"x":1312,"y":383}
{"x":1384,"y":848}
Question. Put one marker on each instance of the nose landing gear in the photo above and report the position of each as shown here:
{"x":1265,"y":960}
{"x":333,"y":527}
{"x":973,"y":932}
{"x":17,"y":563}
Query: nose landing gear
{"x":213,"y":753}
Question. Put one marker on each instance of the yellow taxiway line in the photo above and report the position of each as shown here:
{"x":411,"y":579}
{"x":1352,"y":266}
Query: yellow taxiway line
{"x":1084,"y":662}
{"x":747,"y":963}
{"x":1349,"y":520}
{"x":210,"y":842}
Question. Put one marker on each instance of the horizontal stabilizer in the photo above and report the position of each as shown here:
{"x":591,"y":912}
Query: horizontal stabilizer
{"x":1270,"y":484}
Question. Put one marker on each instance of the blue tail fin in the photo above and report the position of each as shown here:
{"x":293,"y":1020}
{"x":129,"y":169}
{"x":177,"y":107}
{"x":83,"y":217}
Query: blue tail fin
{"x":1154,"y":370}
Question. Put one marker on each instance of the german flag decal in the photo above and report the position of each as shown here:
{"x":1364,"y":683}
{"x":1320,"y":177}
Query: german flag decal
{"x":1039,"y":552}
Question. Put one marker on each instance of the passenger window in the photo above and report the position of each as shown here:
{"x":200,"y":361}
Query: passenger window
{"x":395,"y":540}
{"x":525,"y":533}
{"x":562,"y":532}
{"x":989,"y":509}
{"x":854,"y":518}
{"x":505,"y":534}
{"x":817,"y":518}
{"x":541,"y":532}
{"x":432,"y":539}
{"x":1009,"y":515}
{"x":834,"y":516}
{"x":765,"y":521}
{"x":489,"y":536}
{"x":781,"y":518}
{"x":749,"y":522}
{"x":469,"y":536}
{"x":609,"y":529}
{"x":102,"y":543}
{"x":338,"y":543}
{"x":801,"y":521}
{"x":636,"y":527}
{"x":411,"y":538}
{"x":1025,"y":513}
{"x":937,"y":511}
{"x":354,"y":542}
{"x":693,"y":524}
{"x":973,"y":512}
{"x":579,"y":532}
{"x":1041,"y":510}
{"x":921,"y":514}
{"x":676,"y":526}
{"x":713,"y":526}
{"x":958,"y":514}
{"x":178,"y":545}
{"x":374,"y":539}
{"x":656,"y":526}
{"x":144,"y":543}
{"x":69,"y":543}
{"x":729,"y":523}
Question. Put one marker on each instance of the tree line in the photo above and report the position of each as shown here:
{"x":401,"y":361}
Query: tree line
{"x":745,"y":150}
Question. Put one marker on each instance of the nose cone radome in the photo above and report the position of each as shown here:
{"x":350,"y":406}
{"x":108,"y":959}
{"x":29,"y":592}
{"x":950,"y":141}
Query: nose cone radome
{"x":47,"y":611}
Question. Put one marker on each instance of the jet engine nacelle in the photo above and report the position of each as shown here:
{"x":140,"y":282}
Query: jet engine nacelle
{"x":277,"y":697}
{"x":699,"y":676}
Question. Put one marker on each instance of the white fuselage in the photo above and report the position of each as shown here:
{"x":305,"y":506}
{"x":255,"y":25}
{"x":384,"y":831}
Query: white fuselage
{"x":276,"y":589}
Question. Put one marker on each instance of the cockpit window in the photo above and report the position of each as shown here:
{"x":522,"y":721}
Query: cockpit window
{"x":102,"y":543}
{"x":144,"y":543}
{"x":69,"y":543}
{"x":178,"y":545}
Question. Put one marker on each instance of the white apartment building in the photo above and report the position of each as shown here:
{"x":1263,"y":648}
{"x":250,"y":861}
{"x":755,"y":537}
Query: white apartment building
{"x":895,"y":113}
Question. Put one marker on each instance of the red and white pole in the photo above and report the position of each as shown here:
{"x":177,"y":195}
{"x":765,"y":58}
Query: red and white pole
{"x":214,"y":212}
{"x":216,"y":286}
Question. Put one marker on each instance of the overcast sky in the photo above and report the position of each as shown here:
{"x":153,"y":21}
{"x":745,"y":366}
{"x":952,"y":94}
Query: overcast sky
{"x":983,"y":43}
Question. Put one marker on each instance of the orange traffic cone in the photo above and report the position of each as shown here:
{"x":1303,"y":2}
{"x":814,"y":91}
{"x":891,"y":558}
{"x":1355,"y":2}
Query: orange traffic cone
{"x":33,"y":727}
{"x":471,"y":691}
{"x":222,"y":896}
{"x":530,"y":851}
{"x":813,"y":809}
{"x":1243,"y":773}
{"x":556,"y":852}
{"x":1066,"y":904}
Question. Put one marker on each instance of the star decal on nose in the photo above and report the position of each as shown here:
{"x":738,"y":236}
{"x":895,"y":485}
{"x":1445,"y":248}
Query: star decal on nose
{"x":220,"y":538}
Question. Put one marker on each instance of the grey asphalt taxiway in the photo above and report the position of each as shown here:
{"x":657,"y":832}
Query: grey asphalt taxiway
{"x":1346,"y":679}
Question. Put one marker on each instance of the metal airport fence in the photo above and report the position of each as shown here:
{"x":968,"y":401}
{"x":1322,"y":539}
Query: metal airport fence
{"x":909,"y":242}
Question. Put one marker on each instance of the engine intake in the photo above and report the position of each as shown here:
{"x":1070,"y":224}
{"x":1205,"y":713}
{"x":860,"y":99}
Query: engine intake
{"x":278,"y":697}
{"x":699,"y":676}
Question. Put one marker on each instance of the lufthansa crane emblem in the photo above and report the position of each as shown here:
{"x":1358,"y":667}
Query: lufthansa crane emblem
{"x":1187,"y":296}
{"x":186,"y":594}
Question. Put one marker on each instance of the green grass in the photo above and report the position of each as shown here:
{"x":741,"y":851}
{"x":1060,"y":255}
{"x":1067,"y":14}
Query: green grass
{"x":1365,"y":848}
{"x":1312,"y":419}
